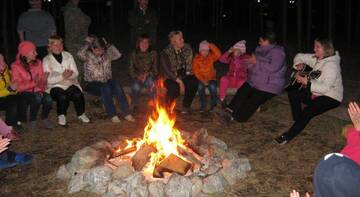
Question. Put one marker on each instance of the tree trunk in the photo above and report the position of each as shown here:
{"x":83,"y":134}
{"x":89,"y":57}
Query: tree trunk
{"x":330,"y":19}
{"x":13,"y":23}
{"x":186,"y":12}
{"x":5,"y":29}
{"x":349,"y":21}
{"x":309,"y":25}
{"x":299,"y":23}
{"x":172,"y":12}
{"x":284,"y":20}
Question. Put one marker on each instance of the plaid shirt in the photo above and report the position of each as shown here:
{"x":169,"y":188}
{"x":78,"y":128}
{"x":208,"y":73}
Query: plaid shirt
{"x":98,"y":68}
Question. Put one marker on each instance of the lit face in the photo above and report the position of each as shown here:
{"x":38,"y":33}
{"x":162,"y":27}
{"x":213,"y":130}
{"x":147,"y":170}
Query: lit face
{"x":143,"y":3}
{"x":2,"y":63}
{"x":144,"y":45}
{"x":31,"y":56}
{"x":177,"y":41}
{"x":237,"y":52}
{"x":57,"y":47}
{"x":263,"y":42}
{"x":319,"y":50}
{"x":204,"y":52}
{"x":98,"y":51}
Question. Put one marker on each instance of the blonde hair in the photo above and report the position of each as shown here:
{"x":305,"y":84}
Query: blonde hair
{"x":327,"y":46}
{"x":51,"y":41}
{"x":174,"y":33}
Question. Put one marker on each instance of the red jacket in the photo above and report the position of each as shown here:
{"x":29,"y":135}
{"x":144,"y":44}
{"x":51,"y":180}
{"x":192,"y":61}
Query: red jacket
{"x":352,"y":148}
{"x":26,"y":81}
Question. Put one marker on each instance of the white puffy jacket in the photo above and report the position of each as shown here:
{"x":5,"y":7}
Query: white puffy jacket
{"x":330,"y":81}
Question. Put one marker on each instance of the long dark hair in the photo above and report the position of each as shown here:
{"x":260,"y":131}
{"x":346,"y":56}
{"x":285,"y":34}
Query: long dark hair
{"x":24,"y":62}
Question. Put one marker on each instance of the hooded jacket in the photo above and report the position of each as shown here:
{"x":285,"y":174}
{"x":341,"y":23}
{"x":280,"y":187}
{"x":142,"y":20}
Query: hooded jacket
{"x":24,"y":79}
{"x":330,"y":81}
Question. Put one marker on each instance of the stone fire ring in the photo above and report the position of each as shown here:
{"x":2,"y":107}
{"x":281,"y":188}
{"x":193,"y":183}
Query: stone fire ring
{"x":221,"y":168}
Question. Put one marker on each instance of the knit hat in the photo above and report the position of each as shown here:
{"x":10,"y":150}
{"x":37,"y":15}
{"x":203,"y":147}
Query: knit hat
{"x":204,"y":45}
{"x":241,"y":45}
{"x":25,"y":47}
{"x":337,"y":176}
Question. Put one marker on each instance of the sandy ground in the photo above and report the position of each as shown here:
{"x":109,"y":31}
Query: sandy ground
{"x":276,"y":169}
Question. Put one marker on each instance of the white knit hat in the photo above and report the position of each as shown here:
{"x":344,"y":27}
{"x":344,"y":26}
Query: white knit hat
{"x":241,"y":45}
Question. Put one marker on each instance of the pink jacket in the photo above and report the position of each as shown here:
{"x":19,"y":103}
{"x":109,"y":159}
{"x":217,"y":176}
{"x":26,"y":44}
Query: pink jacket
{"x":26,"y":80}
{"x":237,"y":67}
{"x":352,"y":148}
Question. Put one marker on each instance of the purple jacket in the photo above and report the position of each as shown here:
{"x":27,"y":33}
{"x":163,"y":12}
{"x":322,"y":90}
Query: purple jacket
{"x":268,"y":74}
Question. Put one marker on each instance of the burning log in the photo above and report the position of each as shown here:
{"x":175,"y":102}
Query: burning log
{"x":172,"y":163}
{"x":123,"y":152}
{"x":189,"y":155}
{"x":142,"y":156}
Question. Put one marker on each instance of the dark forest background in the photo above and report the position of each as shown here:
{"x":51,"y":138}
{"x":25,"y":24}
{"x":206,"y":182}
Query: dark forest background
{"x":296,"y":22}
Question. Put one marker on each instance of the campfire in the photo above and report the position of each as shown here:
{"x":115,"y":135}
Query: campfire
{"x":164,"y":162}
{"x":162,"y":148}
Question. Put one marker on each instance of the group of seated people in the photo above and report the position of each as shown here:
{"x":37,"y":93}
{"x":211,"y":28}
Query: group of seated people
{"x":32,"y":83}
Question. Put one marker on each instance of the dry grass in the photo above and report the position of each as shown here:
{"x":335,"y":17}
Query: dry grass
{"x":275,"y":169}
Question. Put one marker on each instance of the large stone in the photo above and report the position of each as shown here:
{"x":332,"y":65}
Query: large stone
{"x":76,"y":183}
{"x":235,"y":169}
{"x":178,"y":186}
{"x":214,"y":184}
{"x":63,"y":173}
{"x":217,"y":151}
{"x":103,"y":146}
{"x":211,"y":140}
{"x":84,"y":159}
{"x":156,"y":189}
{"x":231,"y":154}
{"x":123,"y":171}
{"x":196,"y":186}
{"x":116,"y":188}
{"x":98,"y":178}
{"x":136,"y":185}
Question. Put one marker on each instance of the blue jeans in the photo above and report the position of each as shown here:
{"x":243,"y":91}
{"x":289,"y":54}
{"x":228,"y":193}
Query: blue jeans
{"x":107,"y":91}
{"x":35,"y":100}
{"x":212,"y":87}
{"x":138,"y":85}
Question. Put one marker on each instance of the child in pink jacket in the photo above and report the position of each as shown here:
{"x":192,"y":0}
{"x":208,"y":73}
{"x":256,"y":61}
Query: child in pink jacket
{"x":352,"y":147}
{"x":237,"y":59}
{"x":27,"y":73}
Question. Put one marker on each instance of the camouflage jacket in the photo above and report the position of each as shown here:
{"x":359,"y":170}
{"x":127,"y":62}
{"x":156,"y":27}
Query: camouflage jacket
{"x":76,"y":25}
{"x":98,"y":68}
{"x":143,"y":21}
{"x":143,"y":63}
{"x":171,"y":62}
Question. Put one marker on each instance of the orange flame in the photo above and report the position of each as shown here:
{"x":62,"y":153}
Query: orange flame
{"x":160,"y":131}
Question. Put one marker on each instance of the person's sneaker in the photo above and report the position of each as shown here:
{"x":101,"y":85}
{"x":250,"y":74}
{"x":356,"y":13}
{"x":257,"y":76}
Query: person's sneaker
{"x":47,"y":124}
{"x":281,"y":140}
{"x":185,"y":110}
{"x":115,"y":119}
{"x":62,"y":120}
{"x":129,"y":118}
{"x":202,"y":109}
{"x":31,"y":126}
{"x":83,"y":118}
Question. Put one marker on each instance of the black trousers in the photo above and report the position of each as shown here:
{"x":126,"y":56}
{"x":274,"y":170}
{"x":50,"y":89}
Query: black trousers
{"x":63,"y":98}
{"x":313,"y":108}
{"x":35,"y":100}
{"x":10,"y":105}
{"x":173,"y":89}
{"x":246,"y":101}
